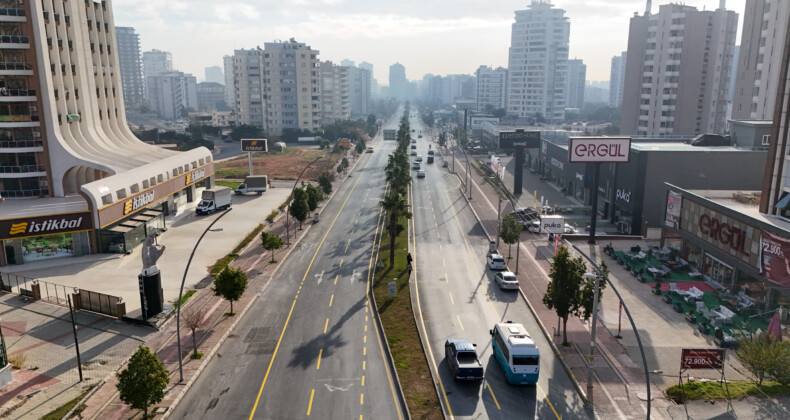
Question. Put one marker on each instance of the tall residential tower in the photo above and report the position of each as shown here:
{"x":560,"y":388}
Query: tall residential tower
{"x":134,"y":92}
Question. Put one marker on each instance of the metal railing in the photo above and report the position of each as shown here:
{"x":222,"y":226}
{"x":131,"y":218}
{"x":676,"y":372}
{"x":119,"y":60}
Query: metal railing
{"x":14,"y":39}
{"x":99,"y":302}
{"x":50,"y":292}
{"x":12,"y":12}
{"x":18,"y":118}
{"x":19,"y":169}
{"x":14,"y":144}
{"x":15,"y":66}
{"x":16,"y":91}
{"x":24,"y":193}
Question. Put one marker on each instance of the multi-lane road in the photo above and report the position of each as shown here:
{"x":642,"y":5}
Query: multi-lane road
{"x":309,"y":347}
{"x":458,"y":297}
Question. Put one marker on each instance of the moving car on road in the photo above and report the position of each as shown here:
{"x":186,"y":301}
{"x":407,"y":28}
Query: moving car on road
{"x":419,"y":158}
{"x":415,"y":165}
{"x":569,"y":229}
{"x":462,"y":359}
{"x":506,"y":280}
{"x":370,"y":150}
{"x":516,"y":353}
{"x":420,"y":174}
{"x":496,"y":262}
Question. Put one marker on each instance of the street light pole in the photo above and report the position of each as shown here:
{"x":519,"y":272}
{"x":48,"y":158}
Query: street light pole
{"x":290,"y":197}
{"x":592,"y":335}
{"x":181,"y":292}
{"x":498,"y":219}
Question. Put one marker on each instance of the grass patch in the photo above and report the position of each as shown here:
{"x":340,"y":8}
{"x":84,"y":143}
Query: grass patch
{"x":17,"y":360}
{"x":715,"y":391}
{"x":397,"y":318}
{"x":247,"y":239}
{"x":229,"y":314}
{"x":230,"y":184}
{"x":222,"y":263}
{"x":184,"y":298}
{"x":197,"y":355}
{"x":231,"y":173}
{"x":61,"y":411}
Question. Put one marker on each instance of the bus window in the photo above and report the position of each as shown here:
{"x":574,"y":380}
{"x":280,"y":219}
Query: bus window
{"x":525,"y":360}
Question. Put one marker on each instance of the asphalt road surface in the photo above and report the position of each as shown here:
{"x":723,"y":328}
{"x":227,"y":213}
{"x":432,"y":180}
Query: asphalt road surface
{"x":458,"y":297}
{"x":309,"y":347}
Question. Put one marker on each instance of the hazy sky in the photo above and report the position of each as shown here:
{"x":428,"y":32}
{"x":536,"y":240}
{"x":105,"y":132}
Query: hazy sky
{"x":427,"y":36}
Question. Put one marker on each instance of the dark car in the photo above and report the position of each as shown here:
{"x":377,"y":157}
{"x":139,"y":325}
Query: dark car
{"x":462,"y":359}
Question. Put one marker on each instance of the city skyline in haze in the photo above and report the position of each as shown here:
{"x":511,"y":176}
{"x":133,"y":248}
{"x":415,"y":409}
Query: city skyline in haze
{"x":438,"y":37}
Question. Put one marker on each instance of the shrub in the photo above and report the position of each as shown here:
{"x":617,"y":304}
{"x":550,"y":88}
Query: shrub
{"x":271,"y":216}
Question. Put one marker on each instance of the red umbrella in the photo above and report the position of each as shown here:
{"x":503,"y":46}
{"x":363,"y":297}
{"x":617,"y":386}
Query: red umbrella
{"x":774,"y":328}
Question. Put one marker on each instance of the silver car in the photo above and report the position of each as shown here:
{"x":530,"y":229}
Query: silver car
{"x":506,"y":280}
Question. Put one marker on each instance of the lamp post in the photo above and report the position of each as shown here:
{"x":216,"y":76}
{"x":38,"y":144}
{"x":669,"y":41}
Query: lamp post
{"x":592,"y":334}
{"x":181,"y":291}
{"x":288,"y":208}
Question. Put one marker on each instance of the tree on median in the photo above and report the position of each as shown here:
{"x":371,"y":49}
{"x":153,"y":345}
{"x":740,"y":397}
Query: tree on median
{"x":230,"y":284}
{"x":143,"y":382}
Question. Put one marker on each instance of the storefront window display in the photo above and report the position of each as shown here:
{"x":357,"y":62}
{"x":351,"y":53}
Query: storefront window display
{"x":126,"y":235}
{"x":693,"y":254}
{"x":718,"y":271}
{"x":45,"y":247}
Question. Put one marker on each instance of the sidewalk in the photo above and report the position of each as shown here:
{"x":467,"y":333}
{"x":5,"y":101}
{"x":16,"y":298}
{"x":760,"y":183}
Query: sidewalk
{"x":620,"y":383}
{"x":104,"y":403}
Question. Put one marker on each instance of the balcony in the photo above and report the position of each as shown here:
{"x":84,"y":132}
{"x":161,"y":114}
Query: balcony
{"x":24,"y":193}
{"x":21,"y":146}
{"x":14,"y":41}
{"x":22,"y":169}
{"x":19,"y":121}
{"x":16,"y":69}
{"x":12,"y":15}
{"x":17,"y":95}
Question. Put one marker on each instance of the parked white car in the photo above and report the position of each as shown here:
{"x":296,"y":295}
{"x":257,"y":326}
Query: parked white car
{"x":506,"y":280}
{"x":496,"y":262}
{"x":569,"y":229}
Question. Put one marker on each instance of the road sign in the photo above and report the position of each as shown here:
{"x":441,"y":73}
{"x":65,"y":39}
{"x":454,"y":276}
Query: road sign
{"x":599,"y":150}
{"x":392,"y":288}
{"x":702,"y":359}
{"x":519,"y":138}
{"x":254,"y":145}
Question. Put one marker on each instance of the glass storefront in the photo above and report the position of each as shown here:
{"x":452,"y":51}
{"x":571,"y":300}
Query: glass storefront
{"x":718,"y":271}
{"x":46,"y":247}
{"x":127,"y":234}
{"x":623,"y":219}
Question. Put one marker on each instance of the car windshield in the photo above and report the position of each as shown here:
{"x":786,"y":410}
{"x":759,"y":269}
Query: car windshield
{"x":466,"y":357}
{"x":525,"y":360}
{"x":204,"y":203}
{"x":509,"y":278}
{"x":498,"y":259}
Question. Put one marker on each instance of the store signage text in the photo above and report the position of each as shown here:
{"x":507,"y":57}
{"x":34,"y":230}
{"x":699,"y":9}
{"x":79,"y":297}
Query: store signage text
{"x":723,"y":233}
{"x":138,"y":202}
{"x":557,"y":163}
{"x":44,"y":225}
{"x":599,"y":150}
{"x":519,"y":138}
{"x":195,"y":175}
{"x":624,"y":195}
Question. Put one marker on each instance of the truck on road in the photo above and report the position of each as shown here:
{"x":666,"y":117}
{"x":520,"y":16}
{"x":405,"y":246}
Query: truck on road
{"x":214,"y":199}
{"x":253,"y":183}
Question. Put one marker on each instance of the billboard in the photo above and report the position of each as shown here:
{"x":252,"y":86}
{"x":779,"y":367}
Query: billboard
{"x":702,"y":359}
{"x":775,"y":258}
{"x":519,"y":138}
{"x":599,"y":150}
{"x":673,"y":210}
{"x":552,"y":224}
{"x":254,"y":145}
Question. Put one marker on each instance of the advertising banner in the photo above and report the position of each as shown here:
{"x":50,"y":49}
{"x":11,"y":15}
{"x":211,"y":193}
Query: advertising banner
{"x":254,"y":145}
{"x":599,"y":149}
{"x":519,"y":138}
{"x":774,"y":262}
{"x":673,"y":210}
{"x":44,"y":225}
{"x":702,"y":359}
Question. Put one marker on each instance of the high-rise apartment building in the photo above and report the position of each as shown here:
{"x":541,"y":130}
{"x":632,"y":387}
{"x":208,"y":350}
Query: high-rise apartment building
{"x":678,"y":71}
{"x":64,"y":137}
{"x":131,"y":66}
{"x":617,"y":80}
{"x":172,"y":94}
{"x":335,"y":92}
{"x":359,"y":95}
{"x":157,"y":62}
{"x":775,"y":198}
{"x":214,"y":74}
{"x":230,"y":92}
{"x":491,"y":88}
{"x":374,"y":85}
{"x":277,"y":87}
{"x":577,"y":79}
{"x":211,"y":97}
{"x":762,"y":43}
{"x":538,"y":62}
{"x":399,"y":85}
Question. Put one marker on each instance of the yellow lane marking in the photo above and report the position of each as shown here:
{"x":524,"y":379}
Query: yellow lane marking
{"x":363,"y":365}
{"x":336,"y":277}
{"x":366,"y":318}
{"x":469,"y":252}
{"x":341,"y":263}
{"x":440,"y":248}
{"x":365,"y":339}
{"x":326,"y":324}
{"x":320,"y":352}
{"x":438,"y":236}
{"x":290,"y":312}
{"x":497,"y":402}
{"x":459,"y":322}
{"x":331,"y":299}
{"x":419,"y":310}
{"x":347,"y":244}
{"x":361,"y":399}
{"x":451,"y":298}
{"x":352,"y":231}
{"x":310,"y":404}
{"x":363,"y":380}
{"x":366,"y":328}
{"x":365,"y":351}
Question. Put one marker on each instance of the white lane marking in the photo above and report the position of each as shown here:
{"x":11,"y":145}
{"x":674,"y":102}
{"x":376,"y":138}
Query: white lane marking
{"x":355,"y":276}
{"x":319,"y":277}
{"x":331,"y":388}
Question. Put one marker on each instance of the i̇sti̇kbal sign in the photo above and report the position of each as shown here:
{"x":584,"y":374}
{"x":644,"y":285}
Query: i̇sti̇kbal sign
{"x":599,"y":150}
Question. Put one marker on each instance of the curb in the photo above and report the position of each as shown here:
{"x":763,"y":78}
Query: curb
{"x":545,"y":332}
{"x":85,"y":398}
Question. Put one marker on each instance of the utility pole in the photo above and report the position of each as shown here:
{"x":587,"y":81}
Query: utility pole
{"x":498,"y":219}
{"x":592,"y":336}
{"x":76,"y":342}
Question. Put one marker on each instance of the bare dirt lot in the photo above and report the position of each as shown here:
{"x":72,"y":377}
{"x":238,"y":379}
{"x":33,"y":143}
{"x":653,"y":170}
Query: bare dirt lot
{"x":285,"y":165}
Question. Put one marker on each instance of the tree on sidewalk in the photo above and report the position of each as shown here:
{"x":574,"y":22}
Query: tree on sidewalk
{"x":325,"y":182}
{"x":299,"y":207}
{"x":230,"y":284}
{"x":587,"y":293}
{"x":143,"y":382}
{"x":194,"y":318}
{"x":563,"y":292}
{"x":314,"y":196}
{"x":271,"y":242}
{"x":509,"y":232}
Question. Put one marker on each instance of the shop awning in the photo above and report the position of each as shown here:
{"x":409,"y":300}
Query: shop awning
{"x":783,"y":203}
{"x":119,"y":229}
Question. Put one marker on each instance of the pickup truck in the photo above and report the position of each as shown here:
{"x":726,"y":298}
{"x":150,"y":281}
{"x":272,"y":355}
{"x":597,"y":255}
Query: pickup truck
{"x":462,"y":359}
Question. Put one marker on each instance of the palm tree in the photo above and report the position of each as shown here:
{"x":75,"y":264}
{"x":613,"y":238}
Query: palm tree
{"x":396,"y":207}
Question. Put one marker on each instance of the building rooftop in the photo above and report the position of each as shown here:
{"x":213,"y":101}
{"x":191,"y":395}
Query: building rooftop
{"x":684,"y":147}
{"x":743,"y":205}
{"x":752,"y":122}
{"x":32,"y":207}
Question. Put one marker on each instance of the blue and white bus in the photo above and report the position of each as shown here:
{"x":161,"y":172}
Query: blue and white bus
{"x":516,"y":353}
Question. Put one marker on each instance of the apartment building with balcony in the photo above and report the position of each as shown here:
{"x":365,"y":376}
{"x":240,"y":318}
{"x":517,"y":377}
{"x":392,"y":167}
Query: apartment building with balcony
{"x":359,"y":86}
{"x":678,"y":70}
{"x":577,"y":80}
{"x":491,"y":91}
{"x":617,"y":80}
{"x":172,"y":94}
{"x":335,"y":87}
{"x":72,"y":174}
{"x":131,"y":65}
{"x":760,"y":59}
